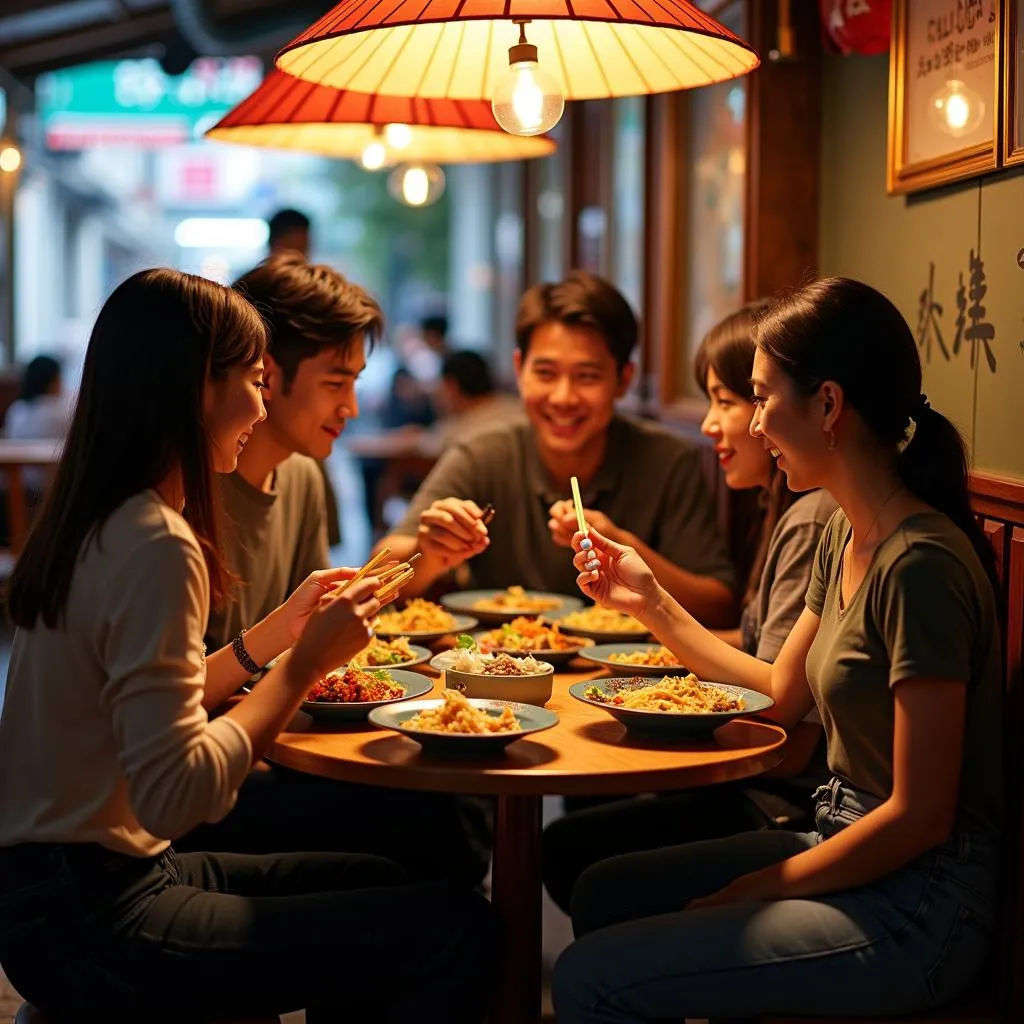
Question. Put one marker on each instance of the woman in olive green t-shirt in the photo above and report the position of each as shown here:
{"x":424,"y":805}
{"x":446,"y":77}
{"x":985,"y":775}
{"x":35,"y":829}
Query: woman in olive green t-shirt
{"x":890,"y":905}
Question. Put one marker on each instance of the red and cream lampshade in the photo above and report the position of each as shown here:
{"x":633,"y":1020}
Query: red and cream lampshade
{"x":439,"y":49}
{"x":287,"y":113}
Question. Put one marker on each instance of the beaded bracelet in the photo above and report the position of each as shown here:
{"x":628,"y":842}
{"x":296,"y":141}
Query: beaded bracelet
{"x":243,"y":656}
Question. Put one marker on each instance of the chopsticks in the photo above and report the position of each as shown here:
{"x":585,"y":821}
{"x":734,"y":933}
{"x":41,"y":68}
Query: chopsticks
{"x":366,"y":569}
{"x":392,"y":580}
{"x":578,"y":502}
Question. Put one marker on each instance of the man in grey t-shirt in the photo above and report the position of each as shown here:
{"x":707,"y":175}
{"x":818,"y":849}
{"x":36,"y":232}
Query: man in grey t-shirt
{"x":642,"y":485}
{"x":320,"y":326}
{"x":275,"y":532}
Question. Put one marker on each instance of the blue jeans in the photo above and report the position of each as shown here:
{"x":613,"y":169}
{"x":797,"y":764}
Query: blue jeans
{"x":910,"y":941}
{"x":87,"y":934}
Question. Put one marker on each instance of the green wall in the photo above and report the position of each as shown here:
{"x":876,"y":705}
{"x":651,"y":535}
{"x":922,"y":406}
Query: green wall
{"x":890,"y":242}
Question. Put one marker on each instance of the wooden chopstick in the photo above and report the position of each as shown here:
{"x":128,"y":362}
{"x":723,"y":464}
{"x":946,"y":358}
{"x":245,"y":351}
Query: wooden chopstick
{"x":391,"y":588}
{"x":578,"y":502}
{"x":371,"y":564}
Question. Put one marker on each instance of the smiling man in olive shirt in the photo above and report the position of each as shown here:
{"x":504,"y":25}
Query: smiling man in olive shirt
{"x":641,"y":485}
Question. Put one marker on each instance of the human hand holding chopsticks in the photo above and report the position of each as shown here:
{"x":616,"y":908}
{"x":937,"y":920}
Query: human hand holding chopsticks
{"x":339,"y":625}
{"x":451,"y":531}
{"x":614,"y":575}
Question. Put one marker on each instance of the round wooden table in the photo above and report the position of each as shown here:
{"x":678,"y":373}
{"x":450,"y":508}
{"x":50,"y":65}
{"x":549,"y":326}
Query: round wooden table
{"x":588,"y":752}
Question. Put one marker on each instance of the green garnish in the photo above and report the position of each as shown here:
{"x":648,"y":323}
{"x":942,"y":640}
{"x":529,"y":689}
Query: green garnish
{"x":464,"y":642}
{"x":382,"y":674}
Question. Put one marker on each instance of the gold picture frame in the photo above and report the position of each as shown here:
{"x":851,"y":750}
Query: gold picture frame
{"x":1013,"y":82}
{"x":944,"y":96}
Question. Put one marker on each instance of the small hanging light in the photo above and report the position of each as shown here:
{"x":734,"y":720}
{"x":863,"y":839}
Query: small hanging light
{"x":527,"y":100}
{"x":416,"y":184}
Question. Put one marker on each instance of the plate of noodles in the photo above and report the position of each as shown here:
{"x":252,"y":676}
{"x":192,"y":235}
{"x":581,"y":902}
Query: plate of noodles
{"x":463,"y":726}
{"x":348,"y":694}
{"x":493,"y":606}
{"x":640,"y":659}
{"x":680,"y":705}
{"x":602,"y":624}
{"x":536,"y":636}
{"x":396,"y":653}
{"x":421,"y":620}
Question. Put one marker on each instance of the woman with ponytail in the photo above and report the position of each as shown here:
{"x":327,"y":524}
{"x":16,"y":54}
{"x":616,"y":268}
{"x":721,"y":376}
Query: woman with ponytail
{"x":773,"y":598}
{"x":889,"y":906}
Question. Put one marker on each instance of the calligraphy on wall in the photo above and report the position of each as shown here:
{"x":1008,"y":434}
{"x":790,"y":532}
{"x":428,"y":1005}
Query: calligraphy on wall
{"x":944,"y":91}
{"x":974,"y":335}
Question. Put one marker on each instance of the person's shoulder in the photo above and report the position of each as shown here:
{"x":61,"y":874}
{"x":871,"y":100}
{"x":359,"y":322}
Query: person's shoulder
{"x":145,"y":522}
{"x":931,"y":541}
{"x":299,"y":471}
{"x":815,"y":508}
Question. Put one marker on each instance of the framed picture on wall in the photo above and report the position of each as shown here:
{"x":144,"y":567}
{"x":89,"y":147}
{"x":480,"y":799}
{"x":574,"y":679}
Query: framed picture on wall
{"x":943,"y":91}
{"x":1013,"y":82}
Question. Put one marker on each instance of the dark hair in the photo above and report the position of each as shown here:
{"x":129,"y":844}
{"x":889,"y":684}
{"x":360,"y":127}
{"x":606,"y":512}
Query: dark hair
{"x":308,"y":307}
{"x":284,"y":222}
{"x":161,"y":332}
{"x":582,"y":299}
{"x":436,"y":324}
{"x":38,"y":378}
{"x":844,"y":331}
{"x":728,"y":349}
{"x":470,"y":372}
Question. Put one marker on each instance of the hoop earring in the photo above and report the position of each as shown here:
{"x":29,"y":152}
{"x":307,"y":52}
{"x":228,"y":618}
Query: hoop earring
{"x":831,"y":439}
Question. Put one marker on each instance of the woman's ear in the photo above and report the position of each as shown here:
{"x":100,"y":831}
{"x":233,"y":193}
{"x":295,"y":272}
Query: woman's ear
{"x":830,"y":395}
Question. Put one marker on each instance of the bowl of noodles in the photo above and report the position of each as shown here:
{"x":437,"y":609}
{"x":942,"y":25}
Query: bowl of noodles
{"x":680,"y":705}
{"x":462,"y":726}
{"x":602,"y":625}
{"x":492,"y":606}
{"x":421,"y":620}
{"x":535,"y":636}
{"x":638,"y":659}
{"x":348,"y":694}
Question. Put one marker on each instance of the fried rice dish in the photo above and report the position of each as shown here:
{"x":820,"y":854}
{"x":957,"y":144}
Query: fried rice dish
{"x":457,"y":715}
{"x":603,"y":620}
{"x":418,"y":616}
{"x":515,"y":599}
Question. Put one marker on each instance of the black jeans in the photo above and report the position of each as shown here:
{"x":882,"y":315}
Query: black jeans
{"x":88,"y":934}
{"x":435,"y":837}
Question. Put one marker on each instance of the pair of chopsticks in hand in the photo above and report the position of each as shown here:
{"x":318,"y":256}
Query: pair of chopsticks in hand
{"x":391,"y":580}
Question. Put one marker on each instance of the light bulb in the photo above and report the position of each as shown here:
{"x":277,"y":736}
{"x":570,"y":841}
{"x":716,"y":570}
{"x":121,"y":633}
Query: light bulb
{"x":398,"y":136}
{"x":956,"y":108}
{"x":416,"y":184}
{"x":10,"y":159}
{"x":527,"y":100}
{"x":374,"y":156}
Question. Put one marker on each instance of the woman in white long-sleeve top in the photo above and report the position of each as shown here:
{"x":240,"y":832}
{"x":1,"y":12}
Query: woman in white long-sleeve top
{"x":106,"y":751}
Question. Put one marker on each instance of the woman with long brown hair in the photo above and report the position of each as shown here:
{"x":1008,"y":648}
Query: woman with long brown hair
{"x":773,"y":598}
{"x":106,"y":750}
{"x":890,"y":905}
